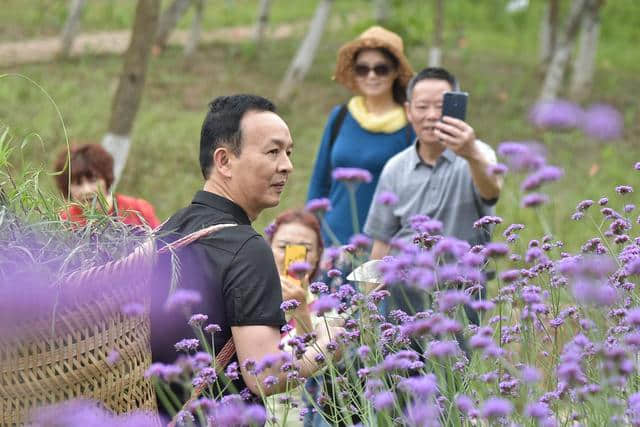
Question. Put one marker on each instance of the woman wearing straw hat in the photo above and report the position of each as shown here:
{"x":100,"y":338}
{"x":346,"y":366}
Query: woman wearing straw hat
{"x":365,"y":132}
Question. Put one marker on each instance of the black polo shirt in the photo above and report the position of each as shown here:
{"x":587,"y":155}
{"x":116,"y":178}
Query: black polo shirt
{"x":233,"y":269}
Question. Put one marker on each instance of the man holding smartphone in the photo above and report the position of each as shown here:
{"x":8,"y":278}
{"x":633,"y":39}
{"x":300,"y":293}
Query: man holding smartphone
{"x":444,"y":175}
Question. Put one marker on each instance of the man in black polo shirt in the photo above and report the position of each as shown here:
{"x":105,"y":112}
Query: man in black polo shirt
{"x":245,"y":150}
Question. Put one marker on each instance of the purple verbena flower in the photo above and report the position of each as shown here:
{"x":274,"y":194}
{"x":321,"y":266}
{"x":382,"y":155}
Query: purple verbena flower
{"x":299,"y":268}
{"x":442,"y":349}
{"x":325,"y":304}
{"x":464,"y":403}
{"x":541,"y":176}
{"x":450,"y":299}
{"x":537,"y":410}
{"x":212,"y":328}
{"x":497,"y":169}
{"x":133,"y":309}
{"x":383,"y":400}
{"x":317,"y":288}
{"x":270,"y":229}
{"x":197,"y":320}
{"x":624,"y":189}
{"x":422,"y":386}
{"x":318,"y":205}
{"x":182,"y":299}
{"x":495,"y":250}
{"x":557,"y":114}
{"x":522,"y":156}
{"x":354,"y":175}
{"x":602,"y":122}
{"x":113,"y":357}
{"x":584,"y":205}
{"x":534,"y":199}
{"x":289,"y":305}
{"x":360,"y":241}
{"x":495,"y":407}
{"x":187,"y":345}
{"x":387,"y":198}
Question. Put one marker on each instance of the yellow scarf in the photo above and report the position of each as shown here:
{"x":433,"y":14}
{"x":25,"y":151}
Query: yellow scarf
{"x":389,"y":122}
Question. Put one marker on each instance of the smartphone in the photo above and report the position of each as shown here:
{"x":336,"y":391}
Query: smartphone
{"x":455,"y":105}
{"x":293,"y":253}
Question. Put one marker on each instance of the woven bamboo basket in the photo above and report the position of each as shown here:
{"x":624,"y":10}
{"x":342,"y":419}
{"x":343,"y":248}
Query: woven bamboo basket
{"x":64,"y":355}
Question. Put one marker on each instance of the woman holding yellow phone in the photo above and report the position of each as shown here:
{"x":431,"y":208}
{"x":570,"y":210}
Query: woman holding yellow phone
{"x":295,"y":236}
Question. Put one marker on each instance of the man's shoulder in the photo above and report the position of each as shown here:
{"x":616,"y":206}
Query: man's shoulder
{"x":399,"y":161}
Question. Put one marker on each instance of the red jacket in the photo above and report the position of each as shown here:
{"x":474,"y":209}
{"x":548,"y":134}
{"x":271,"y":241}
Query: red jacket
{"x":131,"y":211}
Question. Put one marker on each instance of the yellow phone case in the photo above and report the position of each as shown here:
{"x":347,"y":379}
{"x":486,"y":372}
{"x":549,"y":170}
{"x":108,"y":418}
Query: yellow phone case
{"x":293,"y":253}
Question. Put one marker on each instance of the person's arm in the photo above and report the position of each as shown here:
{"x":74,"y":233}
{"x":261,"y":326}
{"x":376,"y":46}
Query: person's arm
{"x":380,"y":249}
{"x":253,"y":295}
{"x":320,"y":183}
{"x":256,"y":342}
{"x":459,"y":137}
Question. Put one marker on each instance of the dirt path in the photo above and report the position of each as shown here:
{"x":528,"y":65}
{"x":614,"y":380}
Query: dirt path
{"x":116,"y":42}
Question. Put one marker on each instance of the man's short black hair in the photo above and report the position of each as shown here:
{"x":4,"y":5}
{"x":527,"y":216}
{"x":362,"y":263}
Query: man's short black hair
{"x":221,"y":126}
{"x":432,"y":73}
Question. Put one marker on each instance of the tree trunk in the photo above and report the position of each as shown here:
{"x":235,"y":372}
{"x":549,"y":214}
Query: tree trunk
{"x":263,"y":20}
{"x":129,"y":92}
{"x":168,"y":22}
{"x":76,"y":8}
{"x":584,"y":63}
{"x":556,"y":71}
{"x":195,"y":32}
{"x":435,"y":53}
{"x":548,"y":31}
{"x":381,"y":11}
{"x":306,"y":52}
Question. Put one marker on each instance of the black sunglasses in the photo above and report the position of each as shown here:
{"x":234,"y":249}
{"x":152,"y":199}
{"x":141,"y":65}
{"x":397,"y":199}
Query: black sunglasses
{"x":380,"y":70}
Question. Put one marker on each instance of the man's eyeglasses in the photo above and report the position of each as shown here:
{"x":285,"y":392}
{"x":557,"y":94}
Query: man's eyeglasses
{"x":380,"y":70}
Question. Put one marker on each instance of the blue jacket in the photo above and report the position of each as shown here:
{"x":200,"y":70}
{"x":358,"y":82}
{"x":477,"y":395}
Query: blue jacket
{"x":354,"y":147}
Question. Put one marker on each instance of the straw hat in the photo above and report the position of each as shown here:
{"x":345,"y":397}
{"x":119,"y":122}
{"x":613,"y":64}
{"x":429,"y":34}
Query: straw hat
{"x":372,"y":38}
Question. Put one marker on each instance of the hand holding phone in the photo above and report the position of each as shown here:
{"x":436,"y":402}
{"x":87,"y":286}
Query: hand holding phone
{"x":455,"y":105}
{"x":293,"y":253}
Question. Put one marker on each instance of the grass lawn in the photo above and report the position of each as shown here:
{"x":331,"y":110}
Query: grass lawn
{"x":494,"y":55}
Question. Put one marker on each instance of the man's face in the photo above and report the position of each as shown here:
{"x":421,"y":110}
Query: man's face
{"x":425,"y":108}
{"x":260,"y":172}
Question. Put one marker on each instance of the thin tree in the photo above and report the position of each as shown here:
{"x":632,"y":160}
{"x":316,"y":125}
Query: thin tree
{"x":435,"y":52}
{"x":262,"y":21}
{"x":585,"y":60}
{"x":549,"y":31}
{"x":195,"y":31}
{"x":168,"y":21}
{"x":129,"y":92}
{"x":557,"y":66}
{"x":76,"y":9}
{"x":306,"y":52}
{"x":381,"y":11}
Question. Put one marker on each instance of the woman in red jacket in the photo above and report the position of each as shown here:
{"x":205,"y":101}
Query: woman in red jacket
{"x":91,"y":175}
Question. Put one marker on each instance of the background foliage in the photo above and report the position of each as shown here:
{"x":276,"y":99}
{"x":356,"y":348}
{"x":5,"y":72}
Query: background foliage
{"x":494,"y":54}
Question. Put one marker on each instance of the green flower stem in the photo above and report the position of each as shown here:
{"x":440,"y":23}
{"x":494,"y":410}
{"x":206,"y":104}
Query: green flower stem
{"x":327,"y":229}
{"x":351,"y":188}
{"x":166,"y":403}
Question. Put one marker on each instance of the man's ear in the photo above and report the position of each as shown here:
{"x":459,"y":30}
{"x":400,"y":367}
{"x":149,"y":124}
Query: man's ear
{"x":407,"y":109}
{"x":222,"y":158}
